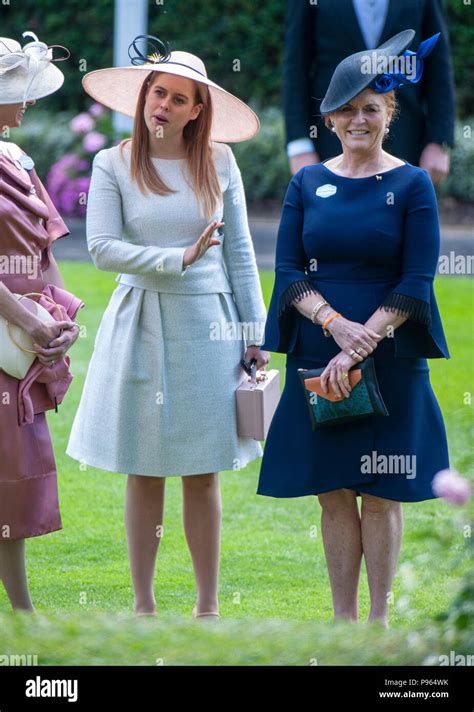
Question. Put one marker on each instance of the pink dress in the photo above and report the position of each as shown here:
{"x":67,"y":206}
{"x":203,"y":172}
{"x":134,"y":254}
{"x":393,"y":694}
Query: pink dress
{"x":29,"y":224}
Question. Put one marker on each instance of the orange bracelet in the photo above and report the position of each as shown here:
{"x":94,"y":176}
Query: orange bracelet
{"x":334,"y":316}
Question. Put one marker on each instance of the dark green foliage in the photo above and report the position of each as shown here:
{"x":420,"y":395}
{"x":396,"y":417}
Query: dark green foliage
{"x":220,"y":32}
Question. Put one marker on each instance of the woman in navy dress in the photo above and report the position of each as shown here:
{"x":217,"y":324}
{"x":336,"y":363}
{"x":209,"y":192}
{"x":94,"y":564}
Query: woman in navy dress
{"x":357,"y":252}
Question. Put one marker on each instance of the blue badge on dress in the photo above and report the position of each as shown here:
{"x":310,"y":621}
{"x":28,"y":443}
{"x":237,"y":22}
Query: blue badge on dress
{"x":27,"y":162}
{"x":326,"y":190}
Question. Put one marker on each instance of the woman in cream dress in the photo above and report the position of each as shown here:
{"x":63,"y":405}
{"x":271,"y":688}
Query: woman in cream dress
{"x":159,"y":397}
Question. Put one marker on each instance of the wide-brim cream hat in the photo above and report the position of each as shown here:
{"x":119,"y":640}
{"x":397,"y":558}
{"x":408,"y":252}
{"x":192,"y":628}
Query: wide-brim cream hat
{"x":118,"y":88}
{"x":27,"y":73}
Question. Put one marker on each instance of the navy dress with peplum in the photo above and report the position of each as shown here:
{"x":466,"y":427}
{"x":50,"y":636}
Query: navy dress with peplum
{"x":363,"y":243}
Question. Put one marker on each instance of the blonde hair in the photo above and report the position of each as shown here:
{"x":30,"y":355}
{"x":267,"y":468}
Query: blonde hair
{"x":198,"y":151}
{"x":391,"y":104}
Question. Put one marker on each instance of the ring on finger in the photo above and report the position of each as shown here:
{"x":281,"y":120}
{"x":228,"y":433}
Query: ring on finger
{"x":334,"y":386}
{"x":342,"y":385}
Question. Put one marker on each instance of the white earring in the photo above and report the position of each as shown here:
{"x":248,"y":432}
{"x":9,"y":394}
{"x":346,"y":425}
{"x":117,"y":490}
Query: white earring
{"x":333,"y":128}
{"x":387,"y":130}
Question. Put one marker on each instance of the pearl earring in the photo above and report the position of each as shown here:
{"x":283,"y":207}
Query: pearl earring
{"x":333,"y":128}
{"x":387,"y":130}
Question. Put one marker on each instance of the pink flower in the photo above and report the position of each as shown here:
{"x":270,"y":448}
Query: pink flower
{"x":96,"y":110}
{"x":82,"y":184}
{"x":450,"y":486}
{"x":69,"y":199}
{"x":69,"y":160}
{"x":82,"y":123}
{"x":83,"y":164}
{"x":94,"y":141}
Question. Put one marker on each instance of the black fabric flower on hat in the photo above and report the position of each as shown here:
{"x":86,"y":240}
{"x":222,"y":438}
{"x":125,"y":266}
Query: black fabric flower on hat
{"x":157,"y":51}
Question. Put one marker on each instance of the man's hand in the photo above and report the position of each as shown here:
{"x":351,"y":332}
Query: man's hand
{"x":435,"y":159}
{"x":302,"y":160}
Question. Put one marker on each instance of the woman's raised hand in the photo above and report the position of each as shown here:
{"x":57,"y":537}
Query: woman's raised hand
{"x":204,"y":242}
{"x":352,"y":336}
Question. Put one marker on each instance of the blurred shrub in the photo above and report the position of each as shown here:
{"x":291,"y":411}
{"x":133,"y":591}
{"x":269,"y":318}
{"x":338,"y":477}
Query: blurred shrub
{"x":263,"y":163}
{"x":44,"y":137}
{"x":460,"y":182}
{"x":63,"y":148}
{"x":461,"y":34}
{"x":69,"y":178}
{"x":86,"y":29}
{"x":219,"y":32}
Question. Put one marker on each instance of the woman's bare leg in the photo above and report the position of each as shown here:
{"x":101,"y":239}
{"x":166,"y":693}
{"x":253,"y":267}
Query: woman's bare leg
{"x":202,"y":511}
{"x":13,"y":574}
{"x":382,"y":530}
{"x":144,"y":505}
{"x":340,"y":524}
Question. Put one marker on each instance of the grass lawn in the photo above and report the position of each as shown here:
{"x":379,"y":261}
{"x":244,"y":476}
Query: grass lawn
{"x":273,"y":566}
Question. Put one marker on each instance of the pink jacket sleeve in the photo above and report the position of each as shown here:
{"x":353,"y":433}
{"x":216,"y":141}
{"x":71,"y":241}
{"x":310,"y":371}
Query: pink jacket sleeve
{"x":44,"y":387}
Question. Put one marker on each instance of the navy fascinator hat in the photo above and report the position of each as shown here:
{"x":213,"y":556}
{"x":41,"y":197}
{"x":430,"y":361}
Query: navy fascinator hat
{"x":387,"y":67}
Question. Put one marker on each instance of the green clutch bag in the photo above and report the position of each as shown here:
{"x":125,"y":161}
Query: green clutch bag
{"x":325,"y":409}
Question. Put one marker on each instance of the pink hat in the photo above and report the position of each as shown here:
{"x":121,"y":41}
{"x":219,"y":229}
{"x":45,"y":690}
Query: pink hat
{"x":118,"y":89}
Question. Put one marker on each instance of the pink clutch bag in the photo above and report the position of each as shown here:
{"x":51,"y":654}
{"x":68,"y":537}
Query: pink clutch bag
{"x":257,"y":400}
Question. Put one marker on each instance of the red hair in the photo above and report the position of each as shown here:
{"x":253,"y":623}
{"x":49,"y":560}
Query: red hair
{"x":391,"y":104}
{"x":197,"y":140}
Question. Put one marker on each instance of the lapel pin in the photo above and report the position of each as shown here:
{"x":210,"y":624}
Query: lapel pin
{"x":379,"y":177}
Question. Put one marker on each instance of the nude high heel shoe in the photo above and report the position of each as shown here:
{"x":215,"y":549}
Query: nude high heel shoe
{"x":206,"y":616}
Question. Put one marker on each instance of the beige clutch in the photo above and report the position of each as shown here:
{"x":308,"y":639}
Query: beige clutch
{"x":16,"y":346}
{"x":257,"y":401}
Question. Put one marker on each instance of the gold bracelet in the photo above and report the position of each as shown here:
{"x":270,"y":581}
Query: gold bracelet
{"x":316,"y":308}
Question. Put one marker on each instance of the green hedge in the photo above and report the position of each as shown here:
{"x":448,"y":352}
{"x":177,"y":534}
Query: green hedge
{"x":220,"y":32}
{"x":460,"y":182}
{"x":47,"y":138}
{"x":85,"y":29}
{"x":461,"y":33}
